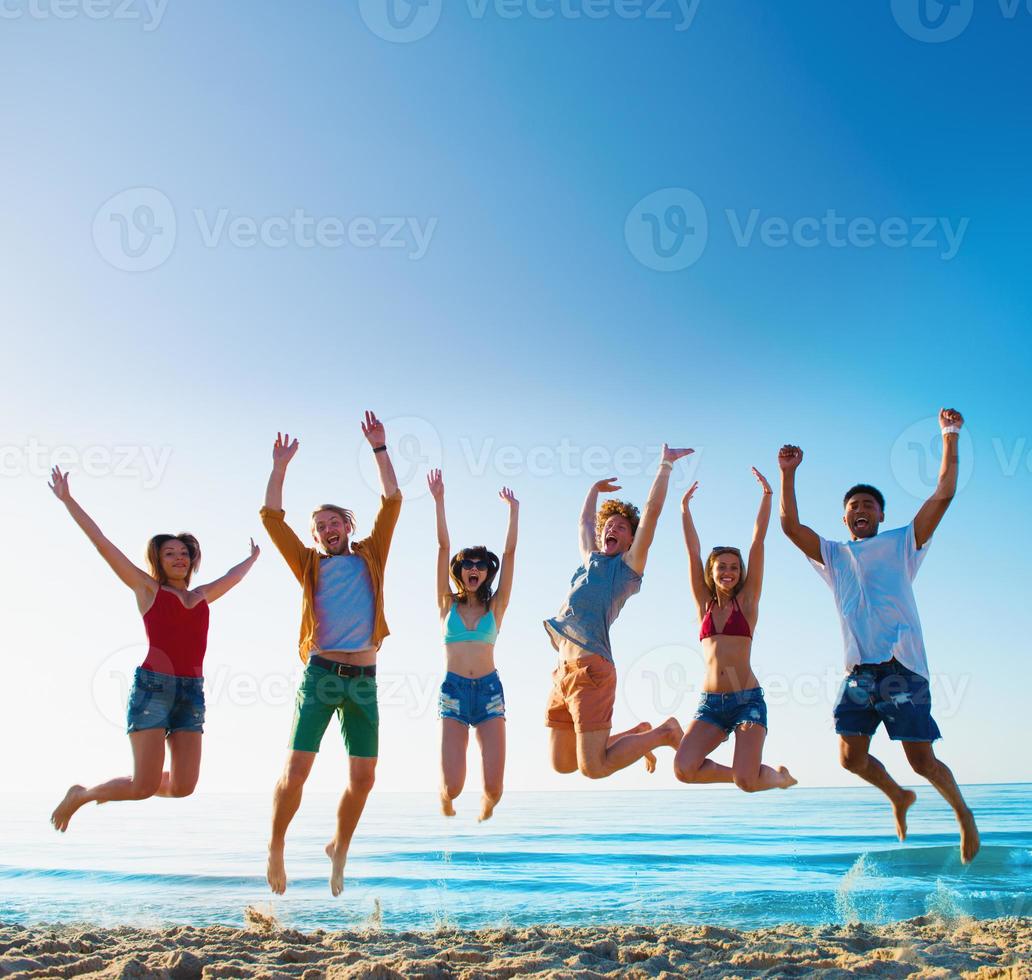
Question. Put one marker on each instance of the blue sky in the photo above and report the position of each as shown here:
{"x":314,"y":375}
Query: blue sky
{"x":516,"y":323}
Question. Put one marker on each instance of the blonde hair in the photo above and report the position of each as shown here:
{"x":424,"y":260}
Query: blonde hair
{"x":711,"y":561}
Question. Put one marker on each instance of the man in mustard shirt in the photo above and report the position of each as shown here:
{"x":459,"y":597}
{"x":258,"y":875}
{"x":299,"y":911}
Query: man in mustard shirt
{"x":342,"y":628}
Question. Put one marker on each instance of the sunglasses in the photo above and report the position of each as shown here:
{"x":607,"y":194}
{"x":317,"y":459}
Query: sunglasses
{"x":469,"y":564}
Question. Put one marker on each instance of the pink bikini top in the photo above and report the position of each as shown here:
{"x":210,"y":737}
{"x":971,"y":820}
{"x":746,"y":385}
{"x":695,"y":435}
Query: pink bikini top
{"x":736,"y":625}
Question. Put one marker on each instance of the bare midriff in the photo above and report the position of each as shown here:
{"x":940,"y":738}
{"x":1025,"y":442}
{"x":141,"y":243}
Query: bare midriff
{"x":363,"y":658}
{"x":568,"y":650}
{"x":470,"y":659}
{"x":727,"y":664}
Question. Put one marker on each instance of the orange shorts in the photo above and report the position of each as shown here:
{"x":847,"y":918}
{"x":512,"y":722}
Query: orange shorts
{"x":583,"y":694}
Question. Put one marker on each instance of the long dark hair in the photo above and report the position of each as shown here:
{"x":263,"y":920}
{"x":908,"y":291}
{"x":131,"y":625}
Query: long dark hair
{"x":155,"y":545}
{"x":479,"y":553}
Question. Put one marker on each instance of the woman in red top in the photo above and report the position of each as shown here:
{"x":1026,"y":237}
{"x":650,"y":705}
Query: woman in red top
{"x":167,"y":698}
{"x":728,"y":602}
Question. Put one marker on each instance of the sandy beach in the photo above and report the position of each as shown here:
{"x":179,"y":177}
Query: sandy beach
{"x":923,"y":947}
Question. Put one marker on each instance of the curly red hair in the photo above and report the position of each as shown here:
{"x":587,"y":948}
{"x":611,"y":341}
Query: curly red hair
{"x":612,"y":508}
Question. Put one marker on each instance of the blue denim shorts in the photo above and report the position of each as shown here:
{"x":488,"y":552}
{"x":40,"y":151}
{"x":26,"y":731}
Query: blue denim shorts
{"x":175,"y":704}
{"x":471,"y":700}
{"x":728,"y":711}
{"x":889,"y":692}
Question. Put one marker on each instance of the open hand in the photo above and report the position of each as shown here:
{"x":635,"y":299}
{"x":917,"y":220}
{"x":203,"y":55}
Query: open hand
{"x":60,"y":485}
{"x":509,"y":497}
{"x":372,"y":429}
{"x":608,"y":485}
{"x":435,"y":484}
{"x":950,"y":417}
{"x":283,"y":451}
{"x":673,"y":455}
{"x":762,"y":480}
{"x":789,"y":457}
{"x":688,"y":494}
{"x":255,"y":551}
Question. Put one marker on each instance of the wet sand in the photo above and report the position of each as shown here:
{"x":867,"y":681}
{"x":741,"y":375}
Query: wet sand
{"x":925,"y":947}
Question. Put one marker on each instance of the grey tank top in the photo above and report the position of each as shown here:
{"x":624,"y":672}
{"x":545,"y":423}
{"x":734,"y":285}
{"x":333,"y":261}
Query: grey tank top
{"x":344,"y":605}
{"x":598,"y":592}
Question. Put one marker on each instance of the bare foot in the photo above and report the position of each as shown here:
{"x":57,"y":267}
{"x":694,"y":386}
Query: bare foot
{"x":900,"y":811}
{"x":487,"y":805}
{"x":787,"y":779}
{"x":672,"y":733}
{"x":337,"y":856}
{"x":73,"y":799}
{"x":446,"y":805}
{"x":969,"y":839}
{"x":276,"y":875}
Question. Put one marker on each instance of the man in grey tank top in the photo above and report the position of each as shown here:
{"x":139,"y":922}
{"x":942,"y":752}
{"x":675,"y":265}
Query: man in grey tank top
{"x":614,"y":547}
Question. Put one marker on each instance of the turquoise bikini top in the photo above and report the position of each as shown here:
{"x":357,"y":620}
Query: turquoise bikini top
{"x":455,"y":630}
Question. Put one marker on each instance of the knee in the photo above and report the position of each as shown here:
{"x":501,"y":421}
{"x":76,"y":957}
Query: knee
{"x":853,"y":760}
{"x":179,"y":790}
{"x":925,"y":765}
{"x":747,"y":784}
{"x":145,"y":789}
{"x":362,"y":783}
{"x":593,"y":770}
{"x":293,"y":778}
{"x":685,"y":773}
{"x":565,"y":766}
{"x":493,"y":791}
{"x":452,"y":790}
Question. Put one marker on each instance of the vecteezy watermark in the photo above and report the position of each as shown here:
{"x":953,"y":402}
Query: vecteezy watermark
{"x":669,"y":680}
{"x":415,"y":695}
{"x":1010,"y":458}
{"x":933,"y":21}
{"x":938,"y":21}
{"x":36,"y":459}
{"x":404,"y":21}
{"x":916,"y":456}
{"x":415,"y":448}
{"x":568,"y":458}
{"x":136,"y":230}
{"x":668,"y":230}
{"x":148,"y":12}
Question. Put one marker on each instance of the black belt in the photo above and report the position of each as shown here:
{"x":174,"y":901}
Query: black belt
{"x":341,"y":670}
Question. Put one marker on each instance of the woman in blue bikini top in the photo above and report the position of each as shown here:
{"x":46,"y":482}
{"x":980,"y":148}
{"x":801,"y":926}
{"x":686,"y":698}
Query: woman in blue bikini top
{"x":471,"y":616}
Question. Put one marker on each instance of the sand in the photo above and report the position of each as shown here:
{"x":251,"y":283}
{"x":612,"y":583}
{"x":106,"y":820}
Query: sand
{"x":921,"y":948}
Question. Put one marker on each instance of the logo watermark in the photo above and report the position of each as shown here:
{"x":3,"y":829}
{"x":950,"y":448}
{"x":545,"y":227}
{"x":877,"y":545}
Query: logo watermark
{"x":668,"y":230}
{"x":415,"y":448}
{"x":136,"y":230}
{"x":36,"y":459}
{"x":148,"y":13}
{"x":405,"y":21}
{"x":916,"y":457}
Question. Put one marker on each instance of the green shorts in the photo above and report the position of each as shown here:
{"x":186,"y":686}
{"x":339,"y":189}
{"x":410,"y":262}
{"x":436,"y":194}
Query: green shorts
{"x":353,"y":699}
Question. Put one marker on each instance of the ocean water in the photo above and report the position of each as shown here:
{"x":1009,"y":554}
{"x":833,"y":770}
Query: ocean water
{"x":701,"y":855}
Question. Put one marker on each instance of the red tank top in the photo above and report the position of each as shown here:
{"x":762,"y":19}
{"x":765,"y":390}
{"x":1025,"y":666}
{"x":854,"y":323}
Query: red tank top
{"x":736,"y":625}
{"x":178,"y":636}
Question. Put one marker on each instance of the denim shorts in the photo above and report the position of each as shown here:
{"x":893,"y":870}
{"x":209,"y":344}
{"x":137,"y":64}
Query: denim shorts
{"x":175,"y":704}
{"x":889,"y":692}
{"x":728,"y":711}
{"x":471,"y":700}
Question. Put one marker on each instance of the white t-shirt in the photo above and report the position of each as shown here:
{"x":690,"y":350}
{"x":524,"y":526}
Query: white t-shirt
{"x":872,"y":580}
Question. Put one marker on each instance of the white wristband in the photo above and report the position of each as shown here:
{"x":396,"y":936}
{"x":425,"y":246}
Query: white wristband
{"x":951,"y":430}
{"x":666,"y":462}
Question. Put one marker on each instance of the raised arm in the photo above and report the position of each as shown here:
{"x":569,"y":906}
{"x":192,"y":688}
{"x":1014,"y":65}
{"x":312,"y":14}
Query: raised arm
{"x":283,"y":536}
{"x":136,"y":578}
{"x":803,"y":537}
{"x":373,"y":430}
{"x":754,"y":579}
{"x":501,"y":597}
{"x":934,"y":508}
{"x":444,"y":593}
{"x":218,"y":588}
{"x":588,"y":515}
{"x":638,"y":553}
{"x":696,"y":570}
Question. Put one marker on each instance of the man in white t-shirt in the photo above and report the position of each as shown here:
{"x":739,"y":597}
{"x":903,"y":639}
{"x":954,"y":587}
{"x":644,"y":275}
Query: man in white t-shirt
{"x":871,"y":577}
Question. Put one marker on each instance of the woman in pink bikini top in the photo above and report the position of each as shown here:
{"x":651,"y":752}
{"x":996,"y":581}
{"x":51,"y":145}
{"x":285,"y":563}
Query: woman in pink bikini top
{"x":732,"y":701}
